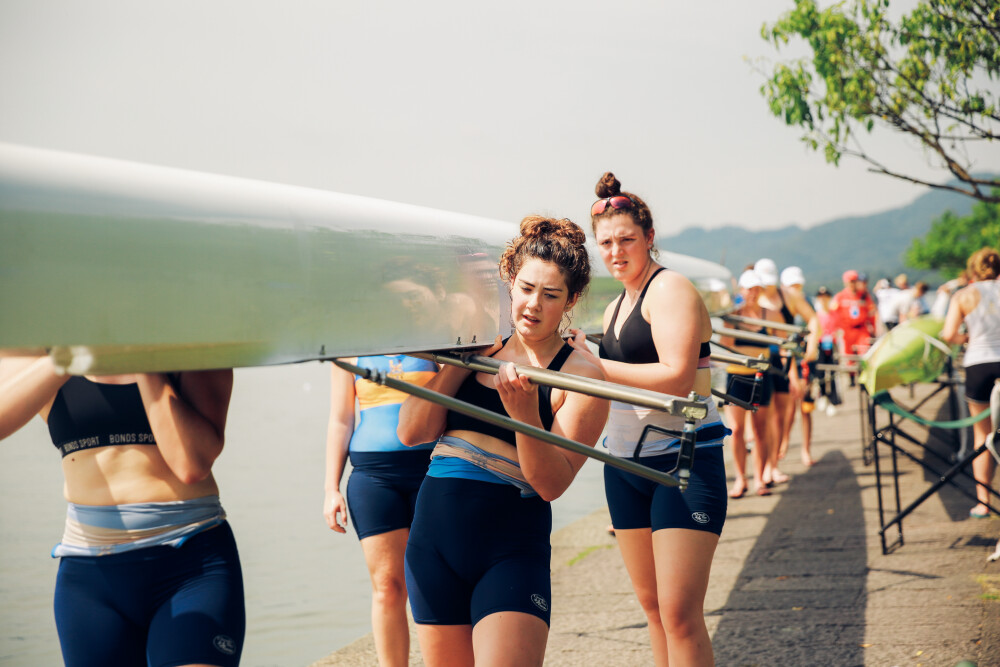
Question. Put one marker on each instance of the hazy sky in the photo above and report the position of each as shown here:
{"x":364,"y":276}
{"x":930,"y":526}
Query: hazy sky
{"x":495,"y":109}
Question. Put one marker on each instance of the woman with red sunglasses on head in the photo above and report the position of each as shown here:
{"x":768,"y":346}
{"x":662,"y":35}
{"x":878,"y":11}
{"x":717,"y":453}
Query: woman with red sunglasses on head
{"x":656,"y":337}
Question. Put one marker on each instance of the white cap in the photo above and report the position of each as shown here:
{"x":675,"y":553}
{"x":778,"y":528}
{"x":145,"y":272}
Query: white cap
{"x":792,"y":276}
{"x":750,"y":279}
{"x":767,"y":270}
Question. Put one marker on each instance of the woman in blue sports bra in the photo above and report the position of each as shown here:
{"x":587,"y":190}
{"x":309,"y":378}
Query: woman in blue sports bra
{"x":148,"y":571}
{"x":382,"y":488}
{"x":478,"y":557}
{"x":656,"y":337}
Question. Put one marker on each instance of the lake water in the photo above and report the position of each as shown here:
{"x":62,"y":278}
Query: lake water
{"x":307,"y":589}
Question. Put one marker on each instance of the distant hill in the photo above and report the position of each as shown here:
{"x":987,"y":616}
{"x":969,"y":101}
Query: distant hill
{"x":874,"y":243}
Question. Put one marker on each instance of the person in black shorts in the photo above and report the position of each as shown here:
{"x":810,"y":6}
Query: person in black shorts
{"x":978,"y":307}
{"x":656,"y":337}
{"x":750,"y":387}
{"x":478,"y":558}
{"x":382,"y":489}
{"x":148,"y":572}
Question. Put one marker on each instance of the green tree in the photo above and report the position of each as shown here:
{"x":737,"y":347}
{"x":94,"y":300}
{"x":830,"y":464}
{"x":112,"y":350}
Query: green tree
{"x":924,"y":75}
{"x":951,"y":239}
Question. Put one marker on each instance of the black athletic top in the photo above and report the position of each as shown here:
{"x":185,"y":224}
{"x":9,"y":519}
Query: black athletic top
{"x":89,"y":414}
{"x":786,"y":314}
{"x":632,"y":345}
{"x":472,"y":391}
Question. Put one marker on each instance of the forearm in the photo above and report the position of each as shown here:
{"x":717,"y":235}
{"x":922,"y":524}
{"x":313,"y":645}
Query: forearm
{"x":188,"y":440}
{"x":337,"y":441}
{"x":421,"y":420}
{"x":549,"y":469}
{"x":654,"y":377}
{"x":26,"y":387}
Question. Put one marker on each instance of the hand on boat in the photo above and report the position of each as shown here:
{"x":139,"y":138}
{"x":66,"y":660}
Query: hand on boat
{"x":578,"y":341}
{"x":490,"y":350}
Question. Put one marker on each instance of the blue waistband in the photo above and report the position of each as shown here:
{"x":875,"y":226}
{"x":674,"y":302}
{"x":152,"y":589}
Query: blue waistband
{"x":476,"y":466}
{"x":98,"y":530}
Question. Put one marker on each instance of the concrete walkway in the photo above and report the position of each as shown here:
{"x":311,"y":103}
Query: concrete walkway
{"x":799,"y":577}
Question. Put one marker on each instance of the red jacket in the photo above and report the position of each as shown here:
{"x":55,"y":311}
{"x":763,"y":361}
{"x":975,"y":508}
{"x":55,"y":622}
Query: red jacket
{"x":853,"y":310}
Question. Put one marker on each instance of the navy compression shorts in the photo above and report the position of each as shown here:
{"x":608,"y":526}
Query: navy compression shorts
{"x":477,"y":548}
{"x":162,"y":606}
{"x":382,"y":489}
{"x":636,"y":502}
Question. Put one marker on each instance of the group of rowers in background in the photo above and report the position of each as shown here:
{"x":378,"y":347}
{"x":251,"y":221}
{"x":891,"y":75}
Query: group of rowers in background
{"x":842,"y":327}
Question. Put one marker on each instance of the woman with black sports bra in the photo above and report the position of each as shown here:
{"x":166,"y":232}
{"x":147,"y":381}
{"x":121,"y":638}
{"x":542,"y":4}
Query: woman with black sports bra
{"x":478,"y":556}
{"x":656,"y":337}
{"x":148,"y":572}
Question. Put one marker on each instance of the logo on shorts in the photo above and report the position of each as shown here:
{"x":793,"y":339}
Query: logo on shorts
{"x":224,"y":644}
{"x":701,"y":517}
{"x":540,"y":602}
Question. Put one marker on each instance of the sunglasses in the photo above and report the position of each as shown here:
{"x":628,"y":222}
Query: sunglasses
{"x":617,"y":202}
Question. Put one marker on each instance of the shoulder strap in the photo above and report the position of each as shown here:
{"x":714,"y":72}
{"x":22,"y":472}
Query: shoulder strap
{"x":545,"y":392}
{"x":648,"y":282}
{"x":614,"y":318}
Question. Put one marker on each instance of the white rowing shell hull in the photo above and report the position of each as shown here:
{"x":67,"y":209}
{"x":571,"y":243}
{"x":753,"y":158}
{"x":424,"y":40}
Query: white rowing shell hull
{"x":113,"y":266}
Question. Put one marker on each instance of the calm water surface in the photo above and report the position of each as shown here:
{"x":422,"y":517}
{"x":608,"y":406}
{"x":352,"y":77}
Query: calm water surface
{"x":307,"y":590}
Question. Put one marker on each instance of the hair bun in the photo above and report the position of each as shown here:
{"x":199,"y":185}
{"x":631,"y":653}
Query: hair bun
{"x":608,"y":186}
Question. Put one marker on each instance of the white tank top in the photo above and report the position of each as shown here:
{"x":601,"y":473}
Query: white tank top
{"x":983,"y":324}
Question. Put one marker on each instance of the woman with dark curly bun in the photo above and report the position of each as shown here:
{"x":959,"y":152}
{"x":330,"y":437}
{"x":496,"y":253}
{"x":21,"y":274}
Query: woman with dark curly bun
{"x":478,"y":556}
{"x":978,"y":307}
{"x":656,"y":337}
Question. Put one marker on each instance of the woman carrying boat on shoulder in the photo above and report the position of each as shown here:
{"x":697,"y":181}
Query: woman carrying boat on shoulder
{"x":744,"y":384}
{"x":382,"y":489}
{"x":978,"y":307}
{"x":656,"y":337}
{"x":478,"y":557}
{"x":148,"y":571}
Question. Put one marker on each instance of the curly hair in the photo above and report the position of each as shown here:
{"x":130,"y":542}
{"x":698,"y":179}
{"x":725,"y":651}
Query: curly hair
{"x":984,"y":264}
{"x":561,"y":242}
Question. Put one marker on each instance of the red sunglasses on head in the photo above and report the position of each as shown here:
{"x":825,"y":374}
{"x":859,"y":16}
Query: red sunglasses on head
{"x":618,"y":202}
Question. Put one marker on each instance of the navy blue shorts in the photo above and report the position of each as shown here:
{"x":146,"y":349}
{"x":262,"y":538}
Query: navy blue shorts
{"x":778,"y":372}
{"x":979,"y":379}
{"x":382,"y":489}
{"x":162,"y":606}
{"x":636,"y":502}
{"x":745,"y":388}
{"x":477,"y":548}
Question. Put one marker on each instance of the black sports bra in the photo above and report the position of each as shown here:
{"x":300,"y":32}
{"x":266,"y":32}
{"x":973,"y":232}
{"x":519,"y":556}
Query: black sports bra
{"x":786,"y":314}
{"x":472,"y":391}
{"x":89,"y":414}
{"x":634,"y":343}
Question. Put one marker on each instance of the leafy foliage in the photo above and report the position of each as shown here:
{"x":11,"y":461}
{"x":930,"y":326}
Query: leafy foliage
{"x":952,"y":238}
{"x":917,"y":75}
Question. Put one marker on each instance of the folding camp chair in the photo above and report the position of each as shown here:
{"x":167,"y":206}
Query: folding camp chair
{"x":887,"y":436}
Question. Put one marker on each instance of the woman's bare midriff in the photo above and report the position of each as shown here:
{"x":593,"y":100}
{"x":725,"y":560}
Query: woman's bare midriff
{"x":126,"y":474}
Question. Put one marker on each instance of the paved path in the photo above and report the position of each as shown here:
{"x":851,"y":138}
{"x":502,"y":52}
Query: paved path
{"x":799,"y":577}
